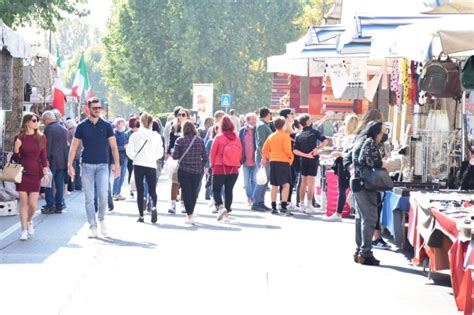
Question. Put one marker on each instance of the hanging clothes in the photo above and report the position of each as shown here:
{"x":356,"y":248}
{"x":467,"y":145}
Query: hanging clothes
{"x":41,"y":74}
{"x":405,"y":82}
{"x":357,"y":80}
{"x":394,"y":82}
{"x":339,"y":77}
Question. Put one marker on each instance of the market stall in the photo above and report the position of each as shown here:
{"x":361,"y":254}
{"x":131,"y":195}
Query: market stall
{"x":441,"y":229}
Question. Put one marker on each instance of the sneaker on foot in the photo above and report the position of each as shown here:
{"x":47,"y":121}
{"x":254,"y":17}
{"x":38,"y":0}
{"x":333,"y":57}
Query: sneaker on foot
{"x":94,"y":233}
{"x":141,"y":219}
{"x":154,"y":215}
{"x":24,"y":235}
{"x":310,"y":210}
{"x":380,"y":244}
{"x":31,"y":229}
{"x":189,"y":219}
{"x":120,"y":197}
{"x":335,"y":217}
{"x":221,"y":214}
{"x":172,"y":209}
{"x":275,"y":212}
{"x":103,"y":228}
{"x":368,"y":261}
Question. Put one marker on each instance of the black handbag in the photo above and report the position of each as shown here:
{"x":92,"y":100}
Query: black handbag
{"x":376,"y":179}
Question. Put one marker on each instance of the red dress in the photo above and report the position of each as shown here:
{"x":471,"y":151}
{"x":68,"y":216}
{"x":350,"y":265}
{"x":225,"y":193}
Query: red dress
{"x":33,"y":159}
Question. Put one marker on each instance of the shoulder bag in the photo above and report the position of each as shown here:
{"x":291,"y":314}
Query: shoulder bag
{"x":171,"y":165}
{"x":376,"y":179}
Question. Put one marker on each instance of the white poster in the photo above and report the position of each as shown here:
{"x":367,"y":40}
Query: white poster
{"x":203,"y":95}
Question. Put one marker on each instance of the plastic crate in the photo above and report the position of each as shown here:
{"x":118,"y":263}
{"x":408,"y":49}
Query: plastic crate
{"x":8,"y":208}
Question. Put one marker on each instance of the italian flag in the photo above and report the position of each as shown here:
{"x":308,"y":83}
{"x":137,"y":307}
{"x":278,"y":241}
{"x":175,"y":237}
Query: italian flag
{"x":81,"y":83}
{"x":59,"y":95}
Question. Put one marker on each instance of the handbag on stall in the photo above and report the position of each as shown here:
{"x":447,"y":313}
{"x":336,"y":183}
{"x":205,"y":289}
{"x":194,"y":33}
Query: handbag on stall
{"x":467,"y":75}
{"x":441,"y":78}
{"x":376,"y":179}
{"x":12,"y":172}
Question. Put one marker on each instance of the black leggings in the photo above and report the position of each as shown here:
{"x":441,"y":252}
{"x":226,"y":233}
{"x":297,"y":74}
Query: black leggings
{"x":149,"y":173}
{"x":189,"y":189}
{"x":130,"y":169}
{"x":342,"y":185}
{"x":228,"y":181}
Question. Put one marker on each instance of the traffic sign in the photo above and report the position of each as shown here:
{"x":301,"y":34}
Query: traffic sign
{"x":226,"y":100}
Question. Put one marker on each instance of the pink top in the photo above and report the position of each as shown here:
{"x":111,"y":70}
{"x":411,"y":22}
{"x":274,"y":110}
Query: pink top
{"x":249,"y":147}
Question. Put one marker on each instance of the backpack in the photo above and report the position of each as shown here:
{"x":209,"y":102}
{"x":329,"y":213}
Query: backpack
{"x":467,"y":75}
{"x":232,"y":153}
{"x":441,"y":78}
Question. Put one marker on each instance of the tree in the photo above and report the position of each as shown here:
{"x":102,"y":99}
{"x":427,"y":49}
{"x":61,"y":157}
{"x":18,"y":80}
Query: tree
{"x":44,"y":12}
{"x":73,"y":34}
{"x":313,"y":13}
{"x":156,"y":50}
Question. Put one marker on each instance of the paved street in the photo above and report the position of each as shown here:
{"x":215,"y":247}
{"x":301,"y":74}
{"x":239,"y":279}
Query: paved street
{"x":256,"y":264}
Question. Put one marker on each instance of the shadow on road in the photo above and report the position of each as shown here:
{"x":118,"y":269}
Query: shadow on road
{"x":123,"y":243}
{"x":199,"y":226}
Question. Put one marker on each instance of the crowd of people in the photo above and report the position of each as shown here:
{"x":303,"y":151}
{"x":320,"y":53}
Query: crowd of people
{"x":94,"y":155}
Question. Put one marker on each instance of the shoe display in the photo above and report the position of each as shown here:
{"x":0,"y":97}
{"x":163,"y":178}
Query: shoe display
{"x":154,"y":215}
{"x":31,"y":230}
{"x":103,"y":228}
{"x":24,"y":235}
{"x":335,"y":217}
{"x":94,"y":233}
{"x":368,"y":261}
{"x":380,"y":244}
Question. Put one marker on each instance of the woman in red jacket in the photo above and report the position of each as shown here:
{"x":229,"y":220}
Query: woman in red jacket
{"x":226,"y":152}
{"x":30,"y":151}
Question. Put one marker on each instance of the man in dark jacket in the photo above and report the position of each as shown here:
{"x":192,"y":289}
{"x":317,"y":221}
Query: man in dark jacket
{"x":57,"y":154}
{"x":247,"y":139}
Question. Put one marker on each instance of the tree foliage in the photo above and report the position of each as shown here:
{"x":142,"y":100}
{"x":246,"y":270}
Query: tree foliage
{"x":43,"y":12}
{"x":156,"y":50}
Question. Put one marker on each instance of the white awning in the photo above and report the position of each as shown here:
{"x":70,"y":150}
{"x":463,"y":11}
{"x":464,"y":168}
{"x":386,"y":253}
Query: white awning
{"x":14,"y":42}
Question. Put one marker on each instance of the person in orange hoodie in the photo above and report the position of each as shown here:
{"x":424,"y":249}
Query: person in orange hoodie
{"x":277,"y":149}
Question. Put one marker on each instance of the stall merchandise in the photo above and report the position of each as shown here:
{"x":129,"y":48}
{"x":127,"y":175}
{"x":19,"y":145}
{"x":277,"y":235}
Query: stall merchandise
{"x":440,"y":230}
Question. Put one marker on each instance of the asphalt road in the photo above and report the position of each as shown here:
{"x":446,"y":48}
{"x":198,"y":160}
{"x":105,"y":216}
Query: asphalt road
{"x":256,"y":264}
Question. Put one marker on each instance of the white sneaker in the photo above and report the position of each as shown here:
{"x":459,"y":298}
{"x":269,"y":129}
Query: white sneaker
{"x":103,"y":228}
{"x":221,"y":214}
{"x":189,"y":219}
{"x":31,"y":229}
{"x":24,"y":235}
{"x":310,"y":210}
{"x":226,"y":218}
{"x":94,"y":233}
{"x":291,"y":207}
{"x":335,"y":217}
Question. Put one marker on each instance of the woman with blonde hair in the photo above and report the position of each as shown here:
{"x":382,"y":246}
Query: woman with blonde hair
{"x":30,"y":150}
{"x":145,"y":148}
{"x":343,"y":175}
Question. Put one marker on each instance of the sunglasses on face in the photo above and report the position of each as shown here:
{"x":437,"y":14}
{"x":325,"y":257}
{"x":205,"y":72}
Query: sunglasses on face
{"x":34,"y":120}
{"x":182,"y":114}
{"x":96,"y":108}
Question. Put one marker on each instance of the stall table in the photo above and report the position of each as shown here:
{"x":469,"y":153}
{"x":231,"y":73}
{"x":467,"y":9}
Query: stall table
{"x":446,"y":241}
{"x":392,"y":216}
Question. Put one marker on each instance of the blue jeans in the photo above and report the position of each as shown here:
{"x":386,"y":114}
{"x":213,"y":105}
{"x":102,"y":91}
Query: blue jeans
{"x":250,"y":179}
{"x":77,"y":178}
{"x":55,"y":194}
{"x":118,"y":182}
{"x":95,"y":176}
{"x":259,"y":192}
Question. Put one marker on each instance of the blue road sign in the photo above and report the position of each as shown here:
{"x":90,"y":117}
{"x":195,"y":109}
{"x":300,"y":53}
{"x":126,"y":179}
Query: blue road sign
{"x":226,"y":100}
